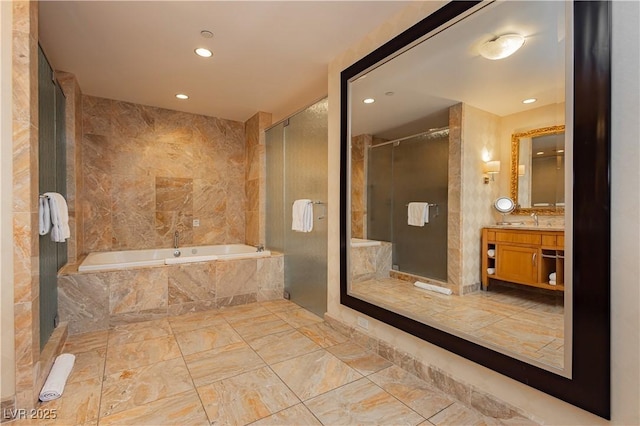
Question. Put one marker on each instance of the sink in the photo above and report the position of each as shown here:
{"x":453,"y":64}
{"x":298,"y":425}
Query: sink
{"x":529,"y":227}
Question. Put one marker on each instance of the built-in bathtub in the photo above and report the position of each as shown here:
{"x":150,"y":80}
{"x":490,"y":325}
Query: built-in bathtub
{"x":113,"y":288}
{"x":105,"y":261}
{"x":360,"y":242}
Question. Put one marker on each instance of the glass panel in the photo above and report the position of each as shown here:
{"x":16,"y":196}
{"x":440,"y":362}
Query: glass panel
{"x":274,"y":232}
{"x":379,"y":193}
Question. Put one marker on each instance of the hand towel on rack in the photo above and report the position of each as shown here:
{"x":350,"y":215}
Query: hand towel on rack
{"x":302,"y":216}
{"x":44,"y":215}
{"x":417,"y":214}
{"x":60,"y":230}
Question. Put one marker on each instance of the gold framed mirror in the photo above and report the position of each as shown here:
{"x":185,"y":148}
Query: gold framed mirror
{"x":537,"y":182}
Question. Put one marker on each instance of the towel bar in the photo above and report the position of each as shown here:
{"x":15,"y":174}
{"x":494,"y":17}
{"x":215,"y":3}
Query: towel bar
{"x":431,"y":205}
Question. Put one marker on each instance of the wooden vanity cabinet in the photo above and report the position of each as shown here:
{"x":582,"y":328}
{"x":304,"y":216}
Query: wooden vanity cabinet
{"x":523,"y":256}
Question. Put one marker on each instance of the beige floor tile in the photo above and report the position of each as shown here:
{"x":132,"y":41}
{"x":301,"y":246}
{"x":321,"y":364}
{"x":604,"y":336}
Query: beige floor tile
{"x":245,"y":398}
{"x":196,"y":320}
{"x":85,"y":342}
{"x":133,"y":387}
{"x":412,"y":391}
{"x":250,"y":328}
{"x":315,"y":373}
{"x":221,"y":363}
{"x":361,"y":402}
{"x":135,"y":332}
{"x":458,"y":414}
{"x":240,"y":312}
{"x":293,"y":416}
{"x":183,"y":409}
{"x":323,"y":335}
{"x":78,"y":404}
{"x":359,"y":358}
{"x":279,"y":305}
{"x":204,"y":339}
{"x":299,"y":317}
{"x":282,"y":346}
{"x":138,"y":354}
{"x":88,"y":365}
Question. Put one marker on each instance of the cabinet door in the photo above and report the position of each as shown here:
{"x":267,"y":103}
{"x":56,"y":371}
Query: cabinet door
{"x":518,"y":264}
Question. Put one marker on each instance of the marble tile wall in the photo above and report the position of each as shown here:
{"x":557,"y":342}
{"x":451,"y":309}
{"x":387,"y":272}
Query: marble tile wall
{"x":148,"y":172}
{"x":370,"y":262}
{"x":255,"y":178}
{"x":99,"y":300}
{"x":359,"y":149}
{"x":73,"y":120}
{"x":25,"y":200}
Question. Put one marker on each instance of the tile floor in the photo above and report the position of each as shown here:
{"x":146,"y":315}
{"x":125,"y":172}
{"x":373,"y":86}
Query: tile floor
{"x":520,"y":321}
{"x":269,"y":363}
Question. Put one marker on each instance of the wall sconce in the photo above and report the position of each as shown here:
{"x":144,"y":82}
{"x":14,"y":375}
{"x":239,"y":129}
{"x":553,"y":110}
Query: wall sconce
{"x":490,"y":169}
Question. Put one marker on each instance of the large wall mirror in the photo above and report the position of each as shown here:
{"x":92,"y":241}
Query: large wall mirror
{"x":422,"y":119}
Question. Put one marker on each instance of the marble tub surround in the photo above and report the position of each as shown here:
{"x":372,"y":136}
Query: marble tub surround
{"x":370,"y":262}
{"x":148,"y":172}
{"x":91,"y":301}
{"x":144,"y":376}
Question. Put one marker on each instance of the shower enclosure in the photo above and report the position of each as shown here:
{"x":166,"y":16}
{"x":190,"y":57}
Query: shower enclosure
{"x":412,"y":169}
{"x":296,"y":168}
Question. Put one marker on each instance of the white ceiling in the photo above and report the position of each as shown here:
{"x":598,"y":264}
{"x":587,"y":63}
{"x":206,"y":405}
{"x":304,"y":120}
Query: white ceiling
{"x":267,"y":55}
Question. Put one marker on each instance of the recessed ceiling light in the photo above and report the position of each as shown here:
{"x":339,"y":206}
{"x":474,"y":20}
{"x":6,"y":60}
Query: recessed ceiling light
{"x":206,"y":34}
{"x":369,"y":101}
{"x":529,"y":101}
{"x":389,"y":93}
{"x":539,"y":152}
{"x":182,"y":96}
{"x":205,"y":53}
{"x":501,"y":47}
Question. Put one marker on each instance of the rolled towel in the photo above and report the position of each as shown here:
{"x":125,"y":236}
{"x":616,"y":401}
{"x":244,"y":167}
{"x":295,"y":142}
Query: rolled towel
{"x":552,"y":282}
{"x":491,"y":252}
{"x":44,"y":216}
{"x":552,"y":276}
{"x":491,"y":271}
{"x":54,"y":385}
{"x":431,"y":287}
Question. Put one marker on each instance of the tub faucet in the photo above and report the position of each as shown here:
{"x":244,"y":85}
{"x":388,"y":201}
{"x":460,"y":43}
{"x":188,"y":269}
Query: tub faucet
{"x":260,"y":247}
{"x":535,"y":218}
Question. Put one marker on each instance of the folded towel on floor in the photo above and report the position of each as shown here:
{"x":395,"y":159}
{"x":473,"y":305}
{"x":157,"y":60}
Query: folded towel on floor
{"x":44,"y":216}
{"x":417,"y":214}
{"x":54,"y":385}
{"x":60,"y":230}
{"x":302,"y":216}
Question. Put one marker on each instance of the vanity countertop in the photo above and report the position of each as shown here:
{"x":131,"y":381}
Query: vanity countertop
{"x":527,"y":227}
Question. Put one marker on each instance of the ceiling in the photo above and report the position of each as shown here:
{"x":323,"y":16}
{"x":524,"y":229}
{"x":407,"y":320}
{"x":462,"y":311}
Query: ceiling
{"x":268,"y":56}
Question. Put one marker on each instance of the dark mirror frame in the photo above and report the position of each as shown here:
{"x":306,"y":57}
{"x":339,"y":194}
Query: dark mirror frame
{"x":589,"y":385}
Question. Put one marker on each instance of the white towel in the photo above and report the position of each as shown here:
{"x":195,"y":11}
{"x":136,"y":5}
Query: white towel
{"x":417,"y":214}
{"x":60,"y":230}
{"x":44,"y":216}
{"x":491,"y":253}
{"x":552,"y":276}
{"x":54,"y":386}
{"x":552,"y":282}
{"x":302,"y":216}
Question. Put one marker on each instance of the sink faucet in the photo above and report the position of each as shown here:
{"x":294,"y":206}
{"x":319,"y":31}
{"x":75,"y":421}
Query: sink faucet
{"x":535,"y":218}
{"x":176,"y":239}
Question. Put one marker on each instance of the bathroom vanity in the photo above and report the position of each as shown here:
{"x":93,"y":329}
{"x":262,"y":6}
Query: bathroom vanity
{"x":523,"y":255}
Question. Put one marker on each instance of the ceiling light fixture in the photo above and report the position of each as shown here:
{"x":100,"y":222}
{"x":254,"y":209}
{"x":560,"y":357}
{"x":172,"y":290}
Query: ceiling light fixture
{"x":182,"y":96}
{"x":369,"y":101}
{"x":539,"y":152}
{"x":205,"y":53}
{"x":501,"y":47}
{"x":206,"y":34}
{"x":529,"y":101}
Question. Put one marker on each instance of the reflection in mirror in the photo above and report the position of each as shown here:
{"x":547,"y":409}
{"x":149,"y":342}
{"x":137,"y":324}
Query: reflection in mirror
{"x":538,"y":170}
{"x":419,"y":204}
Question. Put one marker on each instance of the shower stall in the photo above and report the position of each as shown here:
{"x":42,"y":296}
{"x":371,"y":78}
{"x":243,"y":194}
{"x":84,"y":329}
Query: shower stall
{"x":296,"y":168}
{"x":411,"y":169}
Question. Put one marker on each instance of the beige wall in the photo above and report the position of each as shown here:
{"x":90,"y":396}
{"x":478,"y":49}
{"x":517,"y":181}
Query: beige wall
{"x":7,"y":356}
{"x":148,"y":172}
{"x":625,"y":241}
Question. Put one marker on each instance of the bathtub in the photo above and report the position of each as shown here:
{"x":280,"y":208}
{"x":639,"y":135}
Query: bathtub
{"x":104,"y":261}
{"x":359,"y":242}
